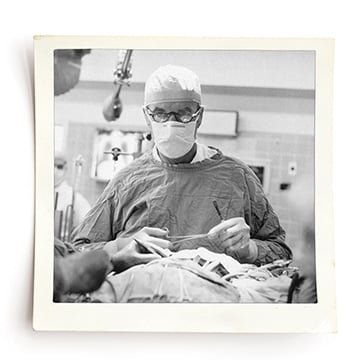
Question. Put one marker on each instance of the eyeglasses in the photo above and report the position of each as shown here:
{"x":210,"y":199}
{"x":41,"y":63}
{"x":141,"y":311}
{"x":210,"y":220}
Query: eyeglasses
{"x":162,"y":117}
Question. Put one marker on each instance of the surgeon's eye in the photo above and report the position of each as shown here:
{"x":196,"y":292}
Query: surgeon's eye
{"x":185,"y":117}
{"x":160,"y":117}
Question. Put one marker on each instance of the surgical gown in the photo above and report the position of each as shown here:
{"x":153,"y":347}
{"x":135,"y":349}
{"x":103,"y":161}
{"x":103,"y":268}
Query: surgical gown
{"x":150,"y":193}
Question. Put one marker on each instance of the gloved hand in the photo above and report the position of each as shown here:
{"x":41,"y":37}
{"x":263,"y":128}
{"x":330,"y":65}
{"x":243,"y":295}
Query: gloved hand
{"x":129,"y":256}
{"x":147,"y":234}
{"x":153,"y":235}
{"x":234,"y":237}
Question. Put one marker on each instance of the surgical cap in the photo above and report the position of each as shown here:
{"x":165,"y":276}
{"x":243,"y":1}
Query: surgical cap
{"x":172,"y":83}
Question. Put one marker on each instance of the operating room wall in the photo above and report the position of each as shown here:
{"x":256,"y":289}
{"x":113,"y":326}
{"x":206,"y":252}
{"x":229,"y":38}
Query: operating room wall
{"x":276,"y":127}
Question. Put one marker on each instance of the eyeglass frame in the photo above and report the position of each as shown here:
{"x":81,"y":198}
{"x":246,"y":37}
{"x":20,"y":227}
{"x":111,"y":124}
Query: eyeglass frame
{"x":168,"y":114}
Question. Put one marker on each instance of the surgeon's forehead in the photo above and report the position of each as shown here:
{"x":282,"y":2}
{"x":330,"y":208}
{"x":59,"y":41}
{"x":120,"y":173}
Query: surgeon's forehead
{"x":189,"y":106}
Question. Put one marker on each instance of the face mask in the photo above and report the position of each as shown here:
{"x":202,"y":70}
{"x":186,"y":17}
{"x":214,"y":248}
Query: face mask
{"x":174,"y":139}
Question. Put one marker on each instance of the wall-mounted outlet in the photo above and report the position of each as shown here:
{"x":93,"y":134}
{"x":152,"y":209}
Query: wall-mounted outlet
{"x":292,"y":168}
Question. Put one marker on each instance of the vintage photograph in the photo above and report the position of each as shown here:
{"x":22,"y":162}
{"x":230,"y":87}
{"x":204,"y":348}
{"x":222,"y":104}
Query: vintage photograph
{"x":150,"y":208}
{"x":181,"y":176}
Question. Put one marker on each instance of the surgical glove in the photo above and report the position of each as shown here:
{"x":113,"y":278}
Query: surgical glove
{"x":130,"y":256}
{"x":153,"y":235}
{"x":147,"y":234}
{"x":234,"y":237}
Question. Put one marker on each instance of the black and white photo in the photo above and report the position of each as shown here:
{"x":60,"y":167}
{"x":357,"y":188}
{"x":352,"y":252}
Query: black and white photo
{"x":184,"y":175}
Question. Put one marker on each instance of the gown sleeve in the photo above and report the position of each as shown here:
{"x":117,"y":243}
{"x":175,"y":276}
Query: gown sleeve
{"x":97,"y":228}
{"x":265,"y":227}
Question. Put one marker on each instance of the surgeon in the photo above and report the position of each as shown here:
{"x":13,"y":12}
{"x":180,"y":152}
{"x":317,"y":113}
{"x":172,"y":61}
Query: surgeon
{"x":170,"y":190}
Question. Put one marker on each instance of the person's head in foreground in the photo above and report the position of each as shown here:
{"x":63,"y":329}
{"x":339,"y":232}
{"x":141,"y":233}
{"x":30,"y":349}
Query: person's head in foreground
{"x":173,"y":111}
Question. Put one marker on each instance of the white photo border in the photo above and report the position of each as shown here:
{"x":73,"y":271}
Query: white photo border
{"x":204,"y":318}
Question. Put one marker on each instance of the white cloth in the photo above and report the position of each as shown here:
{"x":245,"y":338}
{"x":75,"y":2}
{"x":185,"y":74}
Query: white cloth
{"x":203,"y":152}
{"x":172,"y":83}
{"x":81,"y":205}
